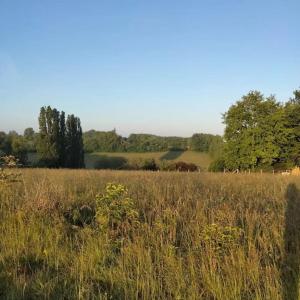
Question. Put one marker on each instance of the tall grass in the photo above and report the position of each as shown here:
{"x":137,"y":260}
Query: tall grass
{"x":200,"y":236}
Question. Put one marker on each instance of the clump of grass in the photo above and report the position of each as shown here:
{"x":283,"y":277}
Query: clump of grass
{"x":221,"y":239}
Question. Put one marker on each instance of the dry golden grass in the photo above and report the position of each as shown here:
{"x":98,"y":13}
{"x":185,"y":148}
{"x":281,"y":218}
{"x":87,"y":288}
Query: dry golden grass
{"x":295,"y":171}
{"x":200,"y":236}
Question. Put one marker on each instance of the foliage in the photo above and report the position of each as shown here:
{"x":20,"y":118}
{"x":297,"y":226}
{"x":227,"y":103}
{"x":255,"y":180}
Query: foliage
{"x":217,"y":165}
{"x":135,"y":160}
{"x":60,"y":142}
{"x":110,"y":141}
{"x":149,"y":165}
{"x":152,"y":143}
{"x":74,"y":155}
{"x":182,"y":166}
{"x":115,"y":210}
{"x":256,"y":134}
{"x":220,"y":239}
{"x":14,"y":144}
{"x":103,"y":141}
{"x":80,"y":216}
{"x":292,"y":115}
{"x":204,"y":142}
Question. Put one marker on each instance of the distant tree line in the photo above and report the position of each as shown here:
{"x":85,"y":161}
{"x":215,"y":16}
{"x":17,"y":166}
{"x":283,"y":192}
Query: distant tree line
{"x":110,"y":141}
{"x":52,"y":142}
{"x":203,"y":142}
{"x":18,"y":145}
{"x":58,"y":143}
{"x":261,"y":133}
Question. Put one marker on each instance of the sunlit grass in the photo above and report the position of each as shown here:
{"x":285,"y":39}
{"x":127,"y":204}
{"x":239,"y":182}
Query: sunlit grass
{"x":198,"y":236}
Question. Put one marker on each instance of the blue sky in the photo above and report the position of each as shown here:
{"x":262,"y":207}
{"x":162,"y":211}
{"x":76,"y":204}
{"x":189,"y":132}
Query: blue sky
{"x":164,"y":67}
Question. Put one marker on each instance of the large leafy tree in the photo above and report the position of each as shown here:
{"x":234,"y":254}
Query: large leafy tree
{"x":255,"y":133}
{"x":292,"y":114}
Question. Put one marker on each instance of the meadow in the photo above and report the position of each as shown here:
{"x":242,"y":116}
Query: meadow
{"x":200,"y":159}
{"x":65,"y":234}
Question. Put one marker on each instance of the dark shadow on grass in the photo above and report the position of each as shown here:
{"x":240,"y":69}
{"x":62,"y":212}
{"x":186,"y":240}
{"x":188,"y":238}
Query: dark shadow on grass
{"x":171,"y":155}
{"x":291,"y":258}
{"x":110,"y":162}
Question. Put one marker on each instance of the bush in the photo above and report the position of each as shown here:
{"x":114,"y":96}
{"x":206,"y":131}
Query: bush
{"x":221,"y":239}
{"x":149,"y":165}
{"x":165,"y":165}
{"x":217,"y":165}
{"x":183,"y":167}
{"x":115,"y":211}
{"x":80,"y":216}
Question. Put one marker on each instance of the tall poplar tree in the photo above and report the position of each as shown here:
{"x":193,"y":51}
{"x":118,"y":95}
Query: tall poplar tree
{"x":74,"y":143}
{"x":60,"y":141}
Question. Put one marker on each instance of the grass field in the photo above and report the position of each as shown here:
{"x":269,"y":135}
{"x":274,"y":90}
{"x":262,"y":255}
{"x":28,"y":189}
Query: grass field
{"x":200,"y":159}
{"x":178,"y":236}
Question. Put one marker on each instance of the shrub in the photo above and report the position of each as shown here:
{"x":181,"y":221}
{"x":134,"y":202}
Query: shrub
{"x":219,"y":238}
{"x":217,"y":165}
{"x":115,"y":211}
{"x":165,"y":165}
{"x":182,"y":166}
{"x":80,"y":216}
{"x":149,"y":165}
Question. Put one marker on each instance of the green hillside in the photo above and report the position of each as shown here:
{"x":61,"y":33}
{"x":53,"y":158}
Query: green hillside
{"x":200,"y":159}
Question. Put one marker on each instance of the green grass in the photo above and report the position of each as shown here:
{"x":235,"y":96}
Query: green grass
{"x":200,"y":159}
{"x":198,"y":236}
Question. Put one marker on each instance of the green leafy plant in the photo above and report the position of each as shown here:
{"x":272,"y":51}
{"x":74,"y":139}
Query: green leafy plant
{"x":221,"y":238}
{"x":115,"y":211}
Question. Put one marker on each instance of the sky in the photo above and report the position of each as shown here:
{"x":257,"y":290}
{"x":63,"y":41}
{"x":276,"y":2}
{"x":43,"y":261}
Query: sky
{"x":164,"y":67}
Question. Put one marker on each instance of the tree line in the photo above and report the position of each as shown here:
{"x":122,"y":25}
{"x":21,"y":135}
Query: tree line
{"x":58,"y":144}
{"x":61,"y":143}
{"x":260,"y":133}
{"x":110,"y":141}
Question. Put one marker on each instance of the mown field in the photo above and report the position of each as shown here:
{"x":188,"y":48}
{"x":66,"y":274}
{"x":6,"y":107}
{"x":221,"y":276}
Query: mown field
{"x":172,"y":236}
{"x":200,"y":159}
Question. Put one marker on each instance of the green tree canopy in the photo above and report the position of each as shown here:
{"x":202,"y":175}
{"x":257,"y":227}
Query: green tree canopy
{"x":255,"y":133}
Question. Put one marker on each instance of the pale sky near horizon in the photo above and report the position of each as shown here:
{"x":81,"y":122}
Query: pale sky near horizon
{"x":161,"y":67}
